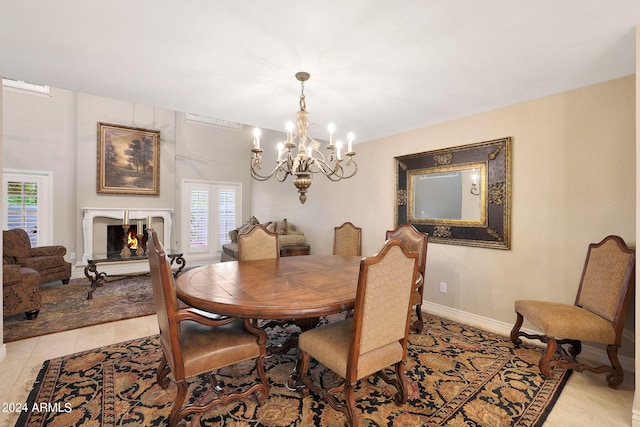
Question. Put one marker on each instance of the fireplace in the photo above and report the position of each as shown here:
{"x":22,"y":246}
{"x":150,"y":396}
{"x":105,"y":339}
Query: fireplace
{"x":96,"y":222}
{"x":116,"y":239}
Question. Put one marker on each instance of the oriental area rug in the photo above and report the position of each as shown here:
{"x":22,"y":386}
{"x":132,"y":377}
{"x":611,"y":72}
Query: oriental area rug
{"x":66,"y":307}
{"x":457,"y":375}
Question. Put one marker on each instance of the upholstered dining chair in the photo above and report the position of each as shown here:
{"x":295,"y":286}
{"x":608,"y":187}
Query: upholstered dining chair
{"x":374,"y":338}
{"x":597,"y":315}
{"x":194,"y":342}
{"x":258,"y":243}
{"x":417,"y":242}
{"x":347,"y":240}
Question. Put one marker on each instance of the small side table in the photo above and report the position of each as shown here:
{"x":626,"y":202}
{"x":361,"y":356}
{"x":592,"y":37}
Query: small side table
{"x":295,"y":250}
{"x":99,"y":277}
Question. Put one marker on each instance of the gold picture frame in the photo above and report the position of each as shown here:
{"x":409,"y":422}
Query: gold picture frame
{"x":128,"y":160}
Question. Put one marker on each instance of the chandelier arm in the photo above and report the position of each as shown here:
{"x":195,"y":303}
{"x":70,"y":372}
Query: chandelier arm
{"x":355,"y":168}
{"x":255,"y":166}
{"x":260,"y":177}
{"x":339,"y":171}
{"x":330,"y":171}
{"x":282,"y":178}
{"x":326,"y":169}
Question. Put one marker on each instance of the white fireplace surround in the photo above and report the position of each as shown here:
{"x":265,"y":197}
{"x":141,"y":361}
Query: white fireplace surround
{"x":117,"y":213}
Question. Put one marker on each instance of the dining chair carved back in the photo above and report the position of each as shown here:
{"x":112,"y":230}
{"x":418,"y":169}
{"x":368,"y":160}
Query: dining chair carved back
{"x":194,"y":343}
{"x":417,"y":242}
{"x":347,"y":240}
{"x":258,"y":243}
{"x":374,"y":339}
{"x":598,"y":314}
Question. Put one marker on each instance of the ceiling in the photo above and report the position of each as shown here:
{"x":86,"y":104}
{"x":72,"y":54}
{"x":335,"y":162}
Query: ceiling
{"x":377,"y":67}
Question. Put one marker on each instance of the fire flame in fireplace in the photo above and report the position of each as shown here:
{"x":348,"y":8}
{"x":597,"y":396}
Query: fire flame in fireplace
{"x":132,"y":239}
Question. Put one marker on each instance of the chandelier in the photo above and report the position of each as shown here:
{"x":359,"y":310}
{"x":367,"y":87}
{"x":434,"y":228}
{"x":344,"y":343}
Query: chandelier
{"x":308,"y":159}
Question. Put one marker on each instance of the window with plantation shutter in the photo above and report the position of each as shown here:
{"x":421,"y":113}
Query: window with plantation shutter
{"x":212,"y":209}
{"x":26,"y":204}
{"x":227,"y":214}
{"x":199,"y":218}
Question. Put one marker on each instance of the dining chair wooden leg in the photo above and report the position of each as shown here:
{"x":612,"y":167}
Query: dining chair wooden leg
{"x":615,"y":378}
{"x":300,"y":373}
{"x":349,"y":409}
{"x":515,"y":331}
{"x":262,"y":389}
{"x":177,"y":414}
{"x":545,"y":360}
{"x":418,"y":324}
{"x":163,"y":372}
{"x":401,"y":384}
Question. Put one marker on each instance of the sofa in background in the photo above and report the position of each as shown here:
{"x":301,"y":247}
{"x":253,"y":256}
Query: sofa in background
{"x":48,"y":261}
{"x":289,"y":237}
{"x":20,"y":291}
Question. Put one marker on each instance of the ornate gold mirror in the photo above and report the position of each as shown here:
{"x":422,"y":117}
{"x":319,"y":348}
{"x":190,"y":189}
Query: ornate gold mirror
{"x":458,"y":195}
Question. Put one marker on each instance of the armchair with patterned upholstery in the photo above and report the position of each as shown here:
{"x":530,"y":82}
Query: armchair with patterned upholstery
{"x":20,"y":291}
{"x":417,"y":242}
{"x":597,"y":316}
{"x":289,"y":236}
{"x":258,"y":243}
{"x":347,"y":240}
{"x":48,"y":261}
{"x":371,"y":341}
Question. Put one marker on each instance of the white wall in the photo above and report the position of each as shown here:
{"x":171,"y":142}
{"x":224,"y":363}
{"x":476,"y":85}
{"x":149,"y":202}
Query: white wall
{"x":213,"y":153}
{"x":39,"y":134}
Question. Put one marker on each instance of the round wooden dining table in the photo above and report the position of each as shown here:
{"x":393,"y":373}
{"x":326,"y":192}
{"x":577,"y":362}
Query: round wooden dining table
{"x":300,"y":287}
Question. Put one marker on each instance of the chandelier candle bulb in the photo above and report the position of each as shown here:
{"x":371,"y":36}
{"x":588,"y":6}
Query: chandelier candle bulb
{"x":149,"y":222}
{"x":125,"y":219}
{"x":289,"y":131}
{"x":256,"y":139}
{"x":280,"y":148}
{"x":332,"y":129}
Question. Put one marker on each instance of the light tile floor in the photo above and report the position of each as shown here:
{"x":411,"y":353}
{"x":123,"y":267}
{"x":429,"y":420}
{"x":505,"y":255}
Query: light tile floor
{"x":585,"y":401}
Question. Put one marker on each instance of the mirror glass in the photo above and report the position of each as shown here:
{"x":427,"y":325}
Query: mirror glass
{"x":448,"y":194}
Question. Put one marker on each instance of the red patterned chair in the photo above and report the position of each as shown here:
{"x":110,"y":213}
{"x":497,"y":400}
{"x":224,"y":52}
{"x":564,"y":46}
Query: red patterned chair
{"x":48,"y":261}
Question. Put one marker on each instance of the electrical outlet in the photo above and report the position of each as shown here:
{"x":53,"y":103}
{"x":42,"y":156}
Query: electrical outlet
{"x":443,"y":287}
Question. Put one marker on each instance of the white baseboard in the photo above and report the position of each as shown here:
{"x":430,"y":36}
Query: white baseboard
{"x":590,"y":353}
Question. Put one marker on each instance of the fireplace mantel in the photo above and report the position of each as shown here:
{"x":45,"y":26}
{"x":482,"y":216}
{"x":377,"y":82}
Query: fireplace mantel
{"x":117,"y":213}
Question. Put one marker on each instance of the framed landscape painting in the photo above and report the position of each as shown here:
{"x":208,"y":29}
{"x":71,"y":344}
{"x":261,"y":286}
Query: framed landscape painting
{"x":128,"y":160}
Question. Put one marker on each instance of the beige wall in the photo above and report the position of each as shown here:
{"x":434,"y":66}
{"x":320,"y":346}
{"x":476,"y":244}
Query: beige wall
{"x":573,"y":157}
{"x":636,"y":402}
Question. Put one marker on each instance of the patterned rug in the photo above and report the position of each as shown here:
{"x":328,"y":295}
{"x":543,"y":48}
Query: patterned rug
{"x":457,"y":376}
{"x":66,"y":307}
